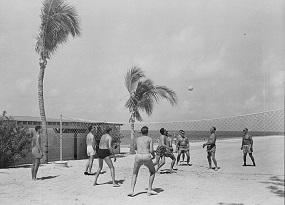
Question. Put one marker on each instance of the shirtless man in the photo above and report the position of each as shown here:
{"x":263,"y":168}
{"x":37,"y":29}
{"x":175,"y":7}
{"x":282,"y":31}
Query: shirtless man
{"x":247,"y":146}
{"x":90,"y":143}
{"x":144,"y":156}
{"x":104,"y":152}
{"x":211,"y":148}
{"x":36,"y":152}
{"x":163,"y":150}
{"x":183,"y":147}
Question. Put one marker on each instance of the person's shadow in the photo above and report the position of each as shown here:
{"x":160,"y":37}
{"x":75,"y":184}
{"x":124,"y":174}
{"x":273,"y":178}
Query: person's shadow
{"x":157,"y":190}
{"x":120,"y":182}
{"x":102,"y":172}
{"x":48,"y":177}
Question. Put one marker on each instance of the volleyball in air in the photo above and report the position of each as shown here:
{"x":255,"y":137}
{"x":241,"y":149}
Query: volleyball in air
{"x":190,"y":88}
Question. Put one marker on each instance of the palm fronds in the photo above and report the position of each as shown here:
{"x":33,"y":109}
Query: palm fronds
{"x":132,"y":77}
{"x":58,"y":21}
{"x":146,"y":93}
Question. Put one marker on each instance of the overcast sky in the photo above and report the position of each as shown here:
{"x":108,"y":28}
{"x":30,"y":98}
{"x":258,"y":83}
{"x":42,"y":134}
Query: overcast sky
{"x":230,"y":51}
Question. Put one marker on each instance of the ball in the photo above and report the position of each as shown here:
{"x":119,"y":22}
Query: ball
{"x":190,"y":88}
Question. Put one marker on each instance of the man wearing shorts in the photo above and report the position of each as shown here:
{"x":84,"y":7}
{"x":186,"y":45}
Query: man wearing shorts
{"x":36,"y":152}
{"x":90,"y":143}
{"x":144,"y":156}
{"x":104,"y":153}
{"x":247,"y":146}
{"x":183,"y":147}
{"x":162,"y":151}
{"x":211,"y":148}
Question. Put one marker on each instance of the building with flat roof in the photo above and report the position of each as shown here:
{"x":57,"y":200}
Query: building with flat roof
{"x":73,"y":133}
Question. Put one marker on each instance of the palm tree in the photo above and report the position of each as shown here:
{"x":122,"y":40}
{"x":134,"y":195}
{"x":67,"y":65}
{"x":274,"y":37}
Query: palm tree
{"x":58,"y":21}
{"x":143,"y":95}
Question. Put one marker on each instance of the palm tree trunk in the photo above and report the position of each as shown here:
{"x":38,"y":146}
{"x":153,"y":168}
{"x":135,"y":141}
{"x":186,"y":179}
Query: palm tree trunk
{"x":132,"y":146}
{"x":43,"y":63}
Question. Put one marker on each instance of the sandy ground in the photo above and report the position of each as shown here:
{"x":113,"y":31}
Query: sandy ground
{"x":232,"y":184}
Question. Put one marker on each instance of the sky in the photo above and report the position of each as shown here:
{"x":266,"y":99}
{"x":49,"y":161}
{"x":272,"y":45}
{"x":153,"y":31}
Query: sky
{"x":231,"y":52}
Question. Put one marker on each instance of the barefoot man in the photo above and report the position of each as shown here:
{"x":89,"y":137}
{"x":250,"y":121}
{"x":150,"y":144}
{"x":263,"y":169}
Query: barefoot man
{"x":247,"y":146}
{"x":36,"y":152}
{"x":211,"y":148}
{"x":163,"y":150}
{"x":104,"y":153}
{"x":144,"y":156}
{"x":90,"y":143}
{"x":183,"y":147}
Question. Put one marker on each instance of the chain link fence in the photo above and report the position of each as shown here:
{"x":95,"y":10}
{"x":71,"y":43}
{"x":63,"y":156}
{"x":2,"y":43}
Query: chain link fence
{"x":69,"y":140}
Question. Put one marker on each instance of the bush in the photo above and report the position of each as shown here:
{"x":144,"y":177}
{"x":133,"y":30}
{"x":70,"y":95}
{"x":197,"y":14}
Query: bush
{"x":15,"y":141}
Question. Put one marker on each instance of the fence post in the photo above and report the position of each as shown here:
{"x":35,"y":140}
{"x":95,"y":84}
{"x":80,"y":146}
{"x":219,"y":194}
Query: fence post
{"x":60,"y":127}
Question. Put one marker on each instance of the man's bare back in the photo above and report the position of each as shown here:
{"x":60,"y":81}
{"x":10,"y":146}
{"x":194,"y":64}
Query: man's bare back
{"x":90,"y":139}
{"x":144,"y":145}
{"x":162,"y":140}
{"x":105,"y":142}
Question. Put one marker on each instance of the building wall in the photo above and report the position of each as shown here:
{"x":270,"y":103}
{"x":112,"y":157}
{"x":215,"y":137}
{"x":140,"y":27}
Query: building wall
{"x":73,"y":147}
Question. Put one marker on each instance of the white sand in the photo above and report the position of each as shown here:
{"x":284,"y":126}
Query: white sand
{"x":232,"y":184}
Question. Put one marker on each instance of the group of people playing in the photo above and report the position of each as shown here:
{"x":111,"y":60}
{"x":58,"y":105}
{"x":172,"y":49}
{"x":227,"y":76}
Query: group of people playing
{"x":145,"y":153}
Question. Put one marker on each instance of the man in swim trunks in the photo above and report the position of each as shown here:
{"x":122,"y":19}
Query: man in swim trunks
{"x":183,"y":153}
{"x":104,"y":153}
{"x":211,"y":148}
{"x":90,"y":143}
{"x":247,"y":146}
{"x":183,"y":147}
{"x":163,"y":150}
{"x":144,"y":156}
{"x":36,"y":152}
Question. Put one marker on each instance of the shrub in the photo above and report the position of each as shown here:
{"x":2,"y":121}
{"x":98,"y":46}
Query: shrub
{"x":15,"y":141}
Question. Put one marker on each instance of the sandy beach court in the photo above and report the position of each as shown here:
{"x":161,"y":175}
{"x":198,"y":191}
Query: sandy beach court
{"x":233,"y":184}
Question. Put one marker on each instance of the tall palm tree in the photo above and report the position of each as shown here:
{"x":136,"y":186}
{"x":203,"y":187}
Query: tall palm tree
{"x":143,"y":96}
{"x":58,"y":21}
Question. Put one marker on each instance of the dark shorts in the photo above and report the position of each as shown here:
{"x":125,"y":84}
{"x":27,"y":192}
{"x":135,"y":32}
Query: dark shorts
{"x":103,"y":153}
{"x":163,"y":151}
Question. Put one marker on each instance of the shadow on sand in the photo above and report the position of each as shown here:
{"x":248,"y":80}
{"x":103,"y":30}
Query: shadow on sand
{"x":230,"y":203}
{"x":48,"y":177}
{"x":157,"y":190}
{"x":121,"y":181}
{"x":167,"y":171}
{"x":102,"y":172}
{"x":185,"y":164}
{"x":277,"y":186}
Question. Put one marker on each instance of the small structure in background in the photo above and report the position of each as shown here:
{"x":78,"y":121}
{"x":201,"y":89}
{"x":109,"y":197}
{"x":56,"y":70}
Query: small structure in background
{"x":74,"y":133}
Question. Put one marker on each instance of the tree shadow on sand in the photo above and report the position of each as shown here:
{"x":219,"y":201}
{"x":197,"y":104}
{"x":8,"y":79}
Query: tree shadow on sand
{"x":48,"y":177}
{"x":20,"y":166}
{"x":277,"y":186}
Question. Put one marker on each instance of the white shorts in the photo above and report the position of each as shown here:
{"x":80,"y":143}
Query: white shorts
{"x":90,"y":151}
